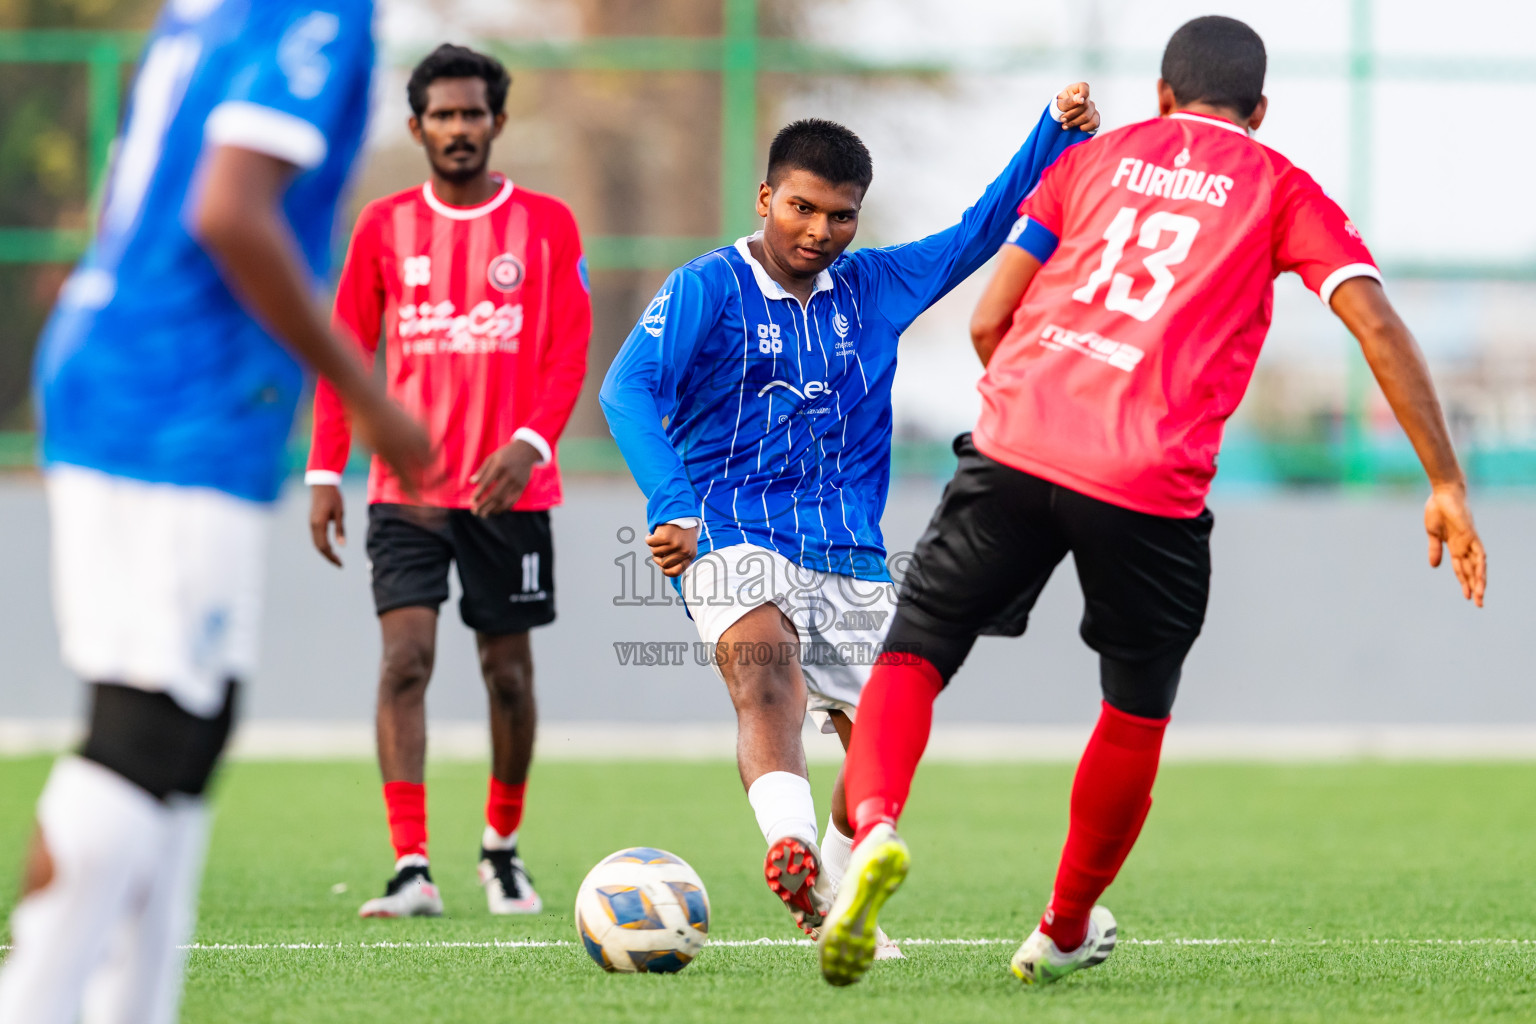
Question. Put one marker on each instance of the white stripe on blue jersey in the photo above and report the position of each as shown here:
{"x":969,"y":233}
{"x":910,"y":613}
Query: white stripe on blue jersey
{"x":705,"y":360}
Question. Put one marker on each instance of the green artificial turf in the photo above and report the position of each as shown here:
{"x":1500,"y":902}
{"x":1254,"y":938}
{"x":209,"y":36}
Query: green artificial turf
{"x":1379,"y":885}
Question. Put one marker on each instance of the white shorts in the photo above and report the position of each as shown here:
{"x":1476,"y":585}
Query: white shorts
{"x":841,"y":620}
{"x":156,"y":586}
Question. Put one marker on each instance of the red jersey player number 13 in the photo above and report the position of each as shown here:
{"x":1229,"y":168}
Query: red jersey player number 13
{"x":1137,"y":339}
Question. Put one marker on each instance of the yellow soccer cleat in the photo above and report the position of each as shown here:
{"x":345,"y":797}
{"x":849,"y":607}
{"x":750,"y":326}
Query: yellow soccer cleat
{"x":848,"y":939}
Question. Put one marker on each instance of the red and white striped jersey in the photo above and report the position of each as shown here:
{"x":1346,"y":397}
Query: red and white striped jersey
{"x":1136,"y":339}
{"x":485,"y":318}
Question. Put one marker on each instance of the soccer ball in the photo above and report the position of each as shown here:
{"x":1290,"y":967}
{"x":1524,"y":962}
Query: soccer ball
{"x":642,"y":910}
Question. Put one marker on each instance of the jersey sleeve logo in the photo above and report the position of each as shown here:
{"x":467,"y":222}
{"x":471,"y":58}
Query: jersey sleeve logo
{"x":299,"y":53}
{"x":505,"y":273}
{"x":416,"y":271}
{"x":655,"y":316}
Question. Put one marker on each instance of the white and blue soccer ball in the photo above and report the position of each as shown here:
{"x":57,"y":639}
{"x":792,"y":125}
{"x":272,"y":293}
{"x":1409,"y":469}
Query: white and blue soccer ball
{"x":642,"y":910}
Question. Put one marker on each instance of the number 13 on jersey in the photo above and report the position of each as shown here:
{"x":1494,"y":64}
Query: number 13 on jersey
{"x":1116,"y":236}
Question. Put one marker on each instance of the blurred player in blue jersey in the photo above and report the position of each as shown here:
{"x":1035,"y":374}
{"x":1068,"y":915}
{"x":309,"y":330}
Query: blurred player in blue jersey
{"x":167,"y":382}
{"x":753,"y":404}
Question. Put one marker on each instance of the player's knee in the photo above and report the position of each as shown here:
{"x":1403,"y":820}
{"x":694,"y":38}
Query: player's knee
{"x":508,"y":682}
{"x":765,"y":689}
{"x":155,"y":743}
{"x":406,"y":669}
{"x":909,"y":634}
{"x":1144,"y":688}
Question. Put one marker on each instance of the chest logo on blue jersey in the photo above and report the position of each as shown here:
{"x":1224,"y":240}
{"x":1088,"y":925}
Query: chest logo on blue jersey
{"x":655,"y":317}
{"x":769,"y":339}
{"x":505,"y":273}
{"x":839,"y":322}
{"x":813,"y":389}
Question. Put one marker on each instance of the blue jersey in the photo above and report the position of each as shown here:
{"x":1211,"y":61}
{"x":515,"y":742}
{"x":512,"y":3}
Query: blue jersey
{"x":149,"y":368}
{"x":771,"y":420}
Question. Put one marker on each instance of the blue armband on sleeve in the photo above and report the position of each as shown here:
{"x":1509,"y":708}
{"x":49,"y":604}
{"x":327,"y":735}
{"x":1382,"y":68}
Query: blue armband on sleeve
{"x":1034,"y":238}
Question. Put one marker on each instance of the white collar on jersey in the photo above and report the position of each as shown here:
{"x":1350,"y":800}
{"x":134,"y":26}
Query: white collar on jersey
{"x":1185,"y":115}
{"x":769,"y":287}
{"x":466,"y":212}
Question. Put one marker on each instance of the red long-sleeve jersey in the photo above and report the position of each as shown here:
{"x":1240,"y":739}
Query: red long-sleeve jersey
{"x":485,"y":318}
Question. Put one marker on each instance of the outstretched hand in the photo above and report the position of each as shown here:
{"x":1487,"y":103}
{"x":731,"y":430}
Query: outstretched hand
{"x":1077,"y":110}
{"x":1448,"y":522}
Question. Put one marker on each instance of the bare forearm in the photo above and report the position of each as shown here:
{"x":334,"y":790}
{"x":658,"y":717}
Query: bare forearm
{"x":259,"y":261}
{"x":239,"y":221}
{"x":994,"y":312}
{"x":985,"y":339}
{"x":1404,"y":379}
{"x":1399,"y":368}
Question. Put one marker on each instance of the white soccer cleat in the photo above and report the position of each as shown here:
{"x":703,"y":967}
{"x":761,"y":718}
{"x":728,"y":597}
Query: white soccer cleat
{"x":508,"y":889}
{"x":886,"y":947}
{"x":849,"y":935}
{"x":1039,"y":962}
{"x":409,"y":894}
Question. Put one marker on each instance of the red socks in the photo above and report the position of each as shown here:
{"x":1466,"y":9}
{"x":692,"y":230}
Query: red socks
{"x":895,"y":717}
{"x":406,"y":803}
{"x":1110,"y":799}
{"x":504,"y":806}
{"x":1111,"y":794}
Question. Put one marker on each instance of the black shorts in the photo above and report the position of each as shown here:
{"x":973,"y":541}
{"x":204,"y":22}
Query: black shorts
{"x":996,"y":538}
{"x":506,"y":564}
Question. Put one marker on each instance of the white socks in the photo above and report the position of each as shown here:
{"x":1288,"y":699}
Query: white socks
{"x":140,"y":983}
{"x":784,"y":807}
{"x":836,"y":852}
{"x":105,"y":837}
{"x":490,"y":839}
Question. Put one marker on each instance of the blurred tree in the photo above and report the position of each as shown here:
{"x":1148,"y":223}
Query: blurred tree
{"x":43,"y":171}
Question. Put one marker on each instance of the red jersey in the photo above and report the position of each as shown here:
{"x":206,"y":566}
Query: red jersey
{"x":485,"y":318}
{"x":1137,"y":338}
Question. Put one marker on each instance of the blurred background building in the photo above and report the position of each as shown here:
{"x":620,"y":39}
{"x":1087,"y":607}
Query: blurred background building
{"x":652,"y":117}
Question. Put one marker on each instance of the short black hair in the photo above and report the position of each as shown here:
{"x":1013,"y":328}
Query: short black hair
{"x":450,"y":61}
{"x":1216,"y":60}
{"x":825,"y":148}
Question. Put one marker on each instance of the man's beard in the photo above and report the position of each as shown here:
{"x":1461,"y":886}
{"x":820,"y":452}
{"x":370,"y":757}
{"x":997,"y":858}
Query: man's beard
{"x":459,"y":174}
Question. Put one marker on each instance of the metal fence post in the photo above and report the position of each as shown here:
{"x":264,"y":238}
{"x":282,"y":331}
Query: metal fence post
{"x":101,"y":119}
{"x":738,"y":117}
{"x":1359,"y":461}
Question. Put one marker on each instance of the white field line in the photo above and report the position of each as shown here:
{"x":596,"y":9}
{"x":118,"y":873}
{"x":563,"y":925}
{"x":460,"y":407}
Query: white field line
{"x":244,"y":947}
{"x":267,"y":739}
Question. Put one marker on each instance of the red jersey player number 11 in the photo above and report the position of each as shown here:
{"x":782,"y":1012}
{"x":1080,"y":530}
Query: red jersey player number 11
{"x":479,"y":291}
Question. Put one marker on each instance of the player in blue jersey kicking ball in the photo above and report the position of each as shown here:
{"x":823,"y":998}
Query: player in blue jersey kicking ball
{"x":752,"y":402}
{"x":167,"y":381}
